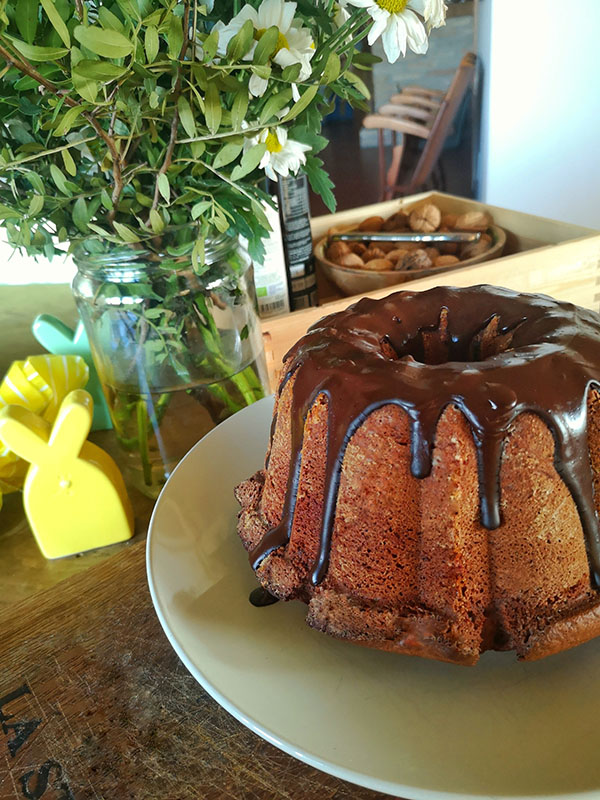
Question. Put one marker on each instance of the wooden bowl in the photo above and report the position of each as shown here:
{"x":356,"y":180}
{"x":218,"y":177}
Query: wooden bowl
{"x":357,"y":281}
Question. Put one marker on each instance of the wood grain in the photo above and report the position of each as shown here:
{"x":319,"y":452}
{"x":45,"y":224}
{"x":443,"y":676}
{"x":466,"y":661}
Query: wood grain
{"x":92,"y":694}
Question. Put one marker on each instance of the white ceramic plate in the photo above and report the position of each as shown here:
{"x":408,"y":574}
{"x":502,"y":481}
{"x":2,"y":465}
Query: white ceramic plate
{"x":395,"y":724}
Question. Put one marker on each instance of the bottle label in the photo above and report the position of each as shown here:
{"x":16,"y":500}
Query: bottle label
{"x":270,"y":277}
{"x":295,"y":221}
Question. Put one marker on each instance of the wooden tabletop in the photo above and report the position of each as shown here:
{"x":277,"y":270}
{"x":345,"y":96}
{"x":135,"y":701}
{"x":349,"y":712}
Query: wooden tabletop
{"x":94,"y":703}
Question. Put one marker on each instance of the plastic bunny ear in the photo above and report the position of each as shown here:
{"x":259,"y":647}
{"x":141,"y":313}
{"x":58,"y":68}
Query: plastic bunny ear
{"x":72,"y":424}
{"x":25,"y":433}
{"x":52,"y":333}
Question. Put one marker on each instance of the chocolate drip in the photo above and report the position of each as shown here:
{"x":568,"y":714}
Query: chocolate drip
{"x":259,"y":597}
{"x":491,"y":352}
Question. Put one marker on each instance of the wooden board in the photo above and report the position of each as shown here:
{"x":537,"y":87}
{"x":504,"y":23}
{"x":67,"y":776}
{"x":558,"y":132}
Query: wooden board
{"x":94,"y":704}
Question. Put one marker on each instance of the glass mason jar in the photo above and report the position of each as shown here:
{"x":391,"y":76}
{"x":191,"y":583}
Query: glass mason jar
{"x":178,"y":349}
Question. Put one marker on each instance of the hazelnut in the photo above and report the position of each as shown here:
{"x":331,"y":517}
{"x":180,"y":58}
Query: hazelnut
{"x":358,"y":247}
{"x":432,"y":252}
{"x":445,"y":261}
{"x":473,"y":221}
{"x":472,"y":249}
{"x":336,"y":250}
{"x":351,"y":260}
{"x":394,"y":255}
{"x":418,"y":259}
{"x":449,"y":221}
{"x":426,"y":218}
{"x":379,"y":265}
{"x":397,"y":222}
{"x":373,"y":252}
{"x":371,"y":224}
{"x":386,"y":246}
{"x":448,"y":248}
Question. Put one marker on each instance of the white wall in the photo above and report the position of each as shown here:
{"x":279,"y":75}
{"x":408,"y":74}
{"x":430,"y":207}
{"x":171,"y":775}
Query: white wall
{"x":540,"y":128}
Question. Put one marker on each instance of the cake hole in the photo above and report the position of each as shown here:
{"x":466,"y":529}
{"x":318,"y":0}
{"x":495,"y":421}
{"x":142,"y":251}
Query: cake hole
{"x":435,"y":344}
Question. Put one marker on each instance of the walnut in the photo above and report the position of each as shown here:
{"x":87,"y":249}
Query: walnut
{"x":379,"y":265}
{"x":445,"y":261}
{"x":416,"y":260}
{"x":426,"y":218}
{"x":371,"y":224}
{"x":351,"y":260}
{"x":473,"y":221}
{"x":336,"y":250}
{"x":397,"y":222}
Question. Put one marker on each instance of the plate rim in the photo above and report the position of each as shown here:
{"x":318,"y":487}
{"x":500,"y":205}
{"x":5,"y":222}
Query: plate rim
{"x":373,"y":783}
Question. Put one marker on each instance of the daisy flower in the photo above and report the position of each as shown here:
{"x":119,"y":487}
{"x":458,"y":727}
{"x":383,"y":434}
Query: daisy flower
{"x":398,"y":24}
{"x":295,"y":44}
{"x":282,"y":156}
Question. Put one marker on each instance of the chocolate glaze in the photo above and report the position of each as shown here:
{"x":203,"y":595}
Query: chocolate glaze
{"x":493,"y":353}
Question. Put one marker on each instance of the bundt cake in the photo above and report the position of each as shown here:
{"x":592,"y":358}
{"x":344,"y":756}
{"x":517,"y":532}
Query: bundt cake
{"x":432,"y":481}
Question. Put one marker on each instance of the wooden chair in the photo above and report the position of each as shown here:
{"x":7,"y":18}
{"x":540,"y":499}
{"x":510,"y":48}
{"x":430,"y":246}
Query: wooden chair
{"x":423,"y":113}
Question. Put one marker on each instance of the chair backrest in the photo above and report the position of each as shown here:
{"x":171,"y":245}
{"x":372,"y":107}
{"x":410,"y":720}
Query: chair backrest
{"x":443,"y":120}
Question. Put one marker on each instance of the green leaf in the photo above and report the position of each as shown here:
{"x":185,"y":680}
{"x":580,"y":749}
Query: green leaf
{"x":69,"y":163}
{"x":332,"y":69}
{"x":156,"y":221}
{"x":26,"y":17}
{"x":56,"y":21}
{"x":302,"y":103}
{"x":85,"y":87}
{"x":163,"y":186}
{"x":263,"y":71}
{"x":210,"y":45}
{"x":359,"y":84}
{"x":34,"y":53}
{"x":186,"y":116}
{"x":60,"y":180}
{"x":212,"y":107}
{"x":151,"y":43}
{"x":65,"y":123}
{"x":199,"y":208}
{"x":291,"y":74}
{"x":110,"y":21}
{"x":103,"y":71}
{"x":239,"y":44}
{"x":250,"y":161}
{"x":37,"y":184}
{"x":9,"y":213}
{"x":80,"y":214}
{"x":239,"y":108}
{"x":35,"y":204}
{"x":227,"y":154}
{"x":175,"y":38}
{"x":197,"y":149}
{"x":126,"y":234}
{"x":274,"y":104}
{"x":105,"y":43}
{"x":266,"y":45}
{"x":320,"y":181}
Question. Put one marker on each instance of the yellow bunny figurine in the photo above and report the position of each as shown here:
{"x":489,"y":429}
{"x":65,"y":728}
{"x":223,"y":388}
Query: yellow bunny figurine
{"x":74,"y":495}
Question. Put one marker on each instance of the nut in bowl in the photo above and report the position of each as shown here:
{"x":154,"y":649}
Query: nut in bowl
{"x":432,"y":240}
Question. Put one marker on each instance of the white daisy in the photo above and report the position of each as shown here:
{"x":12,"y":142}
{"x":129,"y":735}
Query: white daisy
{"x":295,"y":44}
{"x":282,"y":156}
{"x":398,"y":24}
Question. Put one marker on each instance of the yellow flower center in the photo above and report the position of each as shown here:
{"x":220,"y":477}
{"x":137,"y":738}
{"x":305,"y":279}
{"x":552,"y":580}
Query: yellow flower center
{"x":393,"y":6}
{"x":273,"y":143}
{"x":282,"y":42}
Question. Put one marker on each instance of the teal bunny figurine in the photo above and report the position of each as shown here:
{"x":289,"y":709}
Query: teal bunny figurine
{"x":59,"y":339}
